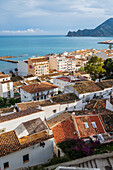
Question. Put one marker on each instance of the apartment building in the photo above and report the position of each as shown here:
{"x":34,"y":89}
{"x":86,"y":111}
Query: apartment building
{"x":38,"y":66}
{"x":62,"y":63}
{"x":6,"y":86}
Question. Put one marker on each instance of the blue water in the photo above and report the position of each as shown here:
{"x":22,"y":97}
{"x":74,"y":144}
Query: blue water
{"x":27,"y":46}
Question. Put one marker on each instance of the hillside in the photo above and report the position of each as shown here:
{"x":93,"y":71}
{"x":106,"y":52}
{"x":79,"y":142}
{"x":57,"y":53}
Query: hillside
{"x":103,"y":30}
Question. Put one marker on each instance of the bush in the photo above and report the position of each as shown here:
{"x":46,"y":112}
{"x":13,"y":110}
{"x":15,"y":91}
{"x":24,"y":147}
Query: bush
{"x":78,"y":148}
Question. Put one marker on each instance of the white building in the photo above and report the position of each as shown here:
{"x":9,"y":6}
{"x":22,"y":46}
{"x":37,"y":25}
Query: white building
{"x":6,"y":86}
{"x":22,"y":68}
{"x":26,"y":146}
{"x":63,"y":81}
{"x":89,"y":90}
{"x":9,"y":121}
{"x":39,"y":91}
{"x":62,"y":63}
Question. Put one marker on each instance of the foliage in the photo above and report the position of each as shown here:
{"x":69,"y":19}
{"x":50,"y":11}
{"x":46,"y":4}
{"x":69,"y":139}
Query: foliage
{"x":81,"y":68}
{"x":16,"y":69}
{"x":78,"y":148}
{"x":5,"y":102}
{"x":95,"y":67}
{"x":108,"y":66}
{"x":110,"y":46}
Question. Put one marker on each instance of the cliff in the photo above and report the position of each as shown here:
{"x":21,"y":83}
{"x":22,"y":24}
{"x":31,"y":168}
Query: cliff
{"x":103,"y":30}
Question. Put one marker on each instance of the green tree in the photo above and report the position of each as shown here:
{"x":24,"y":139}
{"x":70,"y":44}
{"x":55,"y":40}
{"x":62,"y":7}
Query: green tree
{"x":16,"y":69}
{"x":110,"y":46}
{"x":1,"y":102}
{"x":12,"y":101}
{"x":81,"y":68}
{"x":108,"y":66}
{"x":95,"y":67}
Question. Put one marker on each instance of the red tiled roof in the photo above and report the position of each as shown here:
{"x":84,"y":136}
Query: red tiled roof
{"x":35,"y":88}
{"x":85,"y":132}
{"x":19,"y":114}
{"x":9,"y":143}
{"x":64,"y":79}
{"x":64,"y":130}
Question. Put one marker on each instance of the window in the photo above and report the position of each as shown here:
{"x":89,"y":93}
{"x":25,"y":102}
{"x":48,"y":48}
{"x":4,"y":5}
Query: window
{"x":86,"y":125}
{"x":94,"y":124}
{"x":54,"y":111}
{"x":25,"y":158}
{"x":6,"y":165}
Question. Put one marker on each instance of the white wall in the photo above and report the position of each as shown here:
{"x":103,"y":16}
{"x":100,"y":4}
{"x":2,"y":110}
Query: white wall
{"x":25,"y":96}
{"x":37,"y":155}
{"x":4,"y":89}
{"x":109,"y":106}
{"x":12,"y":124}
{"x":22,"y":68}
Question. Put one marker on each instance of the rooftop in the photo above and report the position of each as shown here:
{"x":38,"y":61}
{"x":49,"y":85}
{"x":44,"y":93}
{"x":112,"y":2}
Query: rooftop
{"x":81,"y":72}
{"x":6,"y":110}
{"x":64,"y":130}
{"x":35,"y":88}
{"x":4,"y":75}
{"x":86,"y":87}
{"x":34,"y":126}
{"x":36,"y":81}
{"x":6,"y":81}
{"x":16,"y":115}
{"x":9,"y":142}
{"x":85,"y":132}
{"x":107,"y":121}
{"x":57,"y":119}
{"x":63,"y":98}
{"x":105,"y":84}
{"x":39,"y":59}
{"x":98,"y":107}
{"x":67,"y":79}
{"x":26,"y":105}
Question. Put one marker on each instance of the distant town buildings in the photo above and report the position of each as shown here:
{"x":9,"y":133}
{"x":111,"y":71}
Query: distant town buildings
{"x":38,"y":66}
{"x":6,"y":86}
{"x":22,"y":67}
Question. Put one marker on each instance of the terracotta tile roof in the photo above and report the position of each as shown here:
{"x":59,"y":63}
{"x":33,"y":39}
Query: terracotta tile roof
{"x":64,"y":130}
{"x":40,"y":59}
{"x":65,"y":98}
{"x":85,"y":132}
{"x":26,"y":105}
{"x":9,"y":142}
{"x":6,"y":110}
{"x":4,"y":75}
{"x":98,"y":106}
{"x":57,"y":119}
{"x":107,"y":121}
{"x":64,"y":79}
{"x":86,"y":87}
{"x":81,"y":72}
{"x":105,"y":84}
{"x":19,"y":114}
{"x":35,"y":88}
{"x":34,"y":126}
{"x":36,"y":81}
{"x":28,"y":76}
{"x":6,"y":81}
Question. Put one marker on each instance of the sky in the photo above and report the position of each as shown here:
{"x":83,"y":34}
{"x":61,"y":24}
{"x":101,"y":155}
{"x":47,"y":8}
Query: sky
{"x":51,"y":17}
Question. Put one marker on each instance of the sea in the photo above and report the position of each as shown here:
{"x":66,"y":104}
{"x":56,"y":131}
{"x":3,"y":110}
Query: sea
{"x":23,"y":47}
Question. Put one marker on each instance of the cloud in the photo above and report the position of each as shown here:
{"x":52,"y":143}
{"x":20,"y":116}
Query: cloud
{"x":30,"y":30}
{"x":52,"y":16}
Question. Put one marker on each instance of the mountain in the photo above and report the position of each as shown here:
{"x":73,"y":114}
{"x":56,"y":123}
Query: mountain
{"x":103,"y":30}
